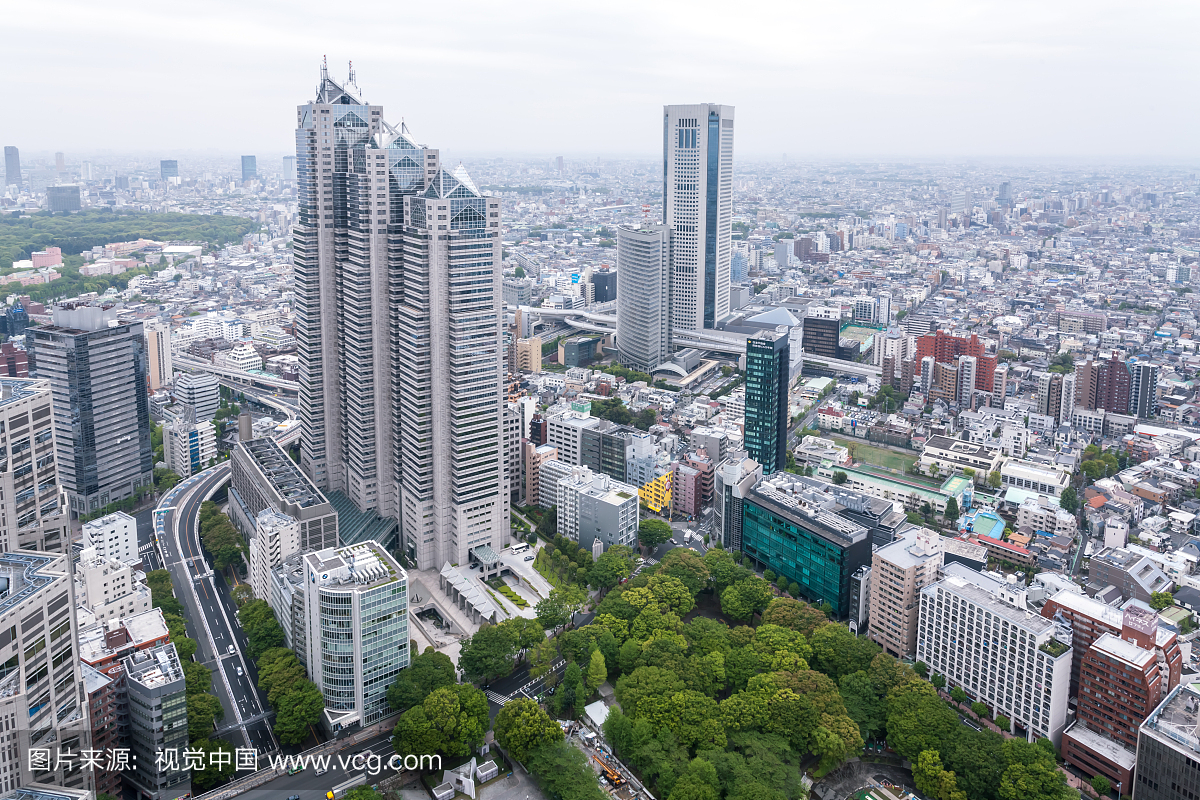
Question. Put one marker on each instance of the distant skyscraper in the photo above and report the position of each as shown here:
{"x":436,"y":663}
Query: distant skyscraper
{"x":1143,"y":393}
{"x":63,"y":198}
{"x":1004,"y":195}
{"x":12,"y":166}
{"x":249,"y":168}
{"x":698,"y":208}
{"x":289,"y":168}
{"x":767,"y":365}
{"x":398,"y":323}
{"x":559,"y":164}
{"x":60,"y":163}
{"x":86,"y":171}
{"x":170,"y":169}
{"x":96,"y":366}
{"x":643,"y":292}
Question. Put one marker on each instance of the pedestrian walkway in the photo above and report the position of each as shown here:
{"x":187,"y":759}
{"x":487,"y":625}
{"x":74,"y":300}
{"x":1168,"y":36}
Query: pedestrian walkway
{"x":498,"y":699}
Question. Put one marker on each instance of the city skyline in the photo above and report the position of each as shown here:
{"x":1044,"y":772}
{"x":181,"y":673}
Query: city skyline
{"x":914,"y":81}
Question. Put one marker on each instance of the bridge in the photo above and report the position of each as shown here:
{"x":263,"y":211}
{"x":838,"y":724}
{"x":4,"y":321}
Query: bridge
{"x":261,"y":379}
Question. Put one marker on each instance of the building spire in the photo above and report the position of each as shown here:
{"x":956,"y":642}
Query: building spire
{"x":351,"y":80}
{"x":324,"y":68}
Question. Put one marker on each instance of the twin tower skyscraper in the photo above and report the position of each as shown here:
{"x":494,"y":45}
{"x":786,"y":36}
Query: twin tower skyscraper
{"x":675,"y":276}
{"x":398,"y":327}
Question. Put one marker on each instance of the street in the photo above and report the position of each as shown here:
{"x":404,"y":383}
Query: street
{"x":205,"y":598}
{"x":310,"y":786}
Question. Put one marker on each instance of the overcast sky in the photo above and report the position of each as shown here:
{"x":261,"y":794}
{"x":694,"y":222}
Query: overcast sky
{"x":1094,"y":79}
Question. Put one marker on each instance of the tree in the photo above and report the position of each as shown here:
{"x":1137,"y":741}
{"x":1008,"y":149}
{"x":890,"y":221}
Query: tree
{"x":597,"y":671}
{"x":300,"y":709}
{"x":1033,"y":782}
{"x":652,"y":533}
{"x":1101,"y":785}
{"x":1069,"y":500}
{"x":519,"y":271}
{"x":522,"y":725}
{"x":1002,"y":722}
{"x":611,"y":568}
{"x":951,"y":513}
{"x":938,"y":681}
{"x":242,"y":594}
{"x":863,"y":703}
{"x":980,"y":709}
{"x":918,"y":720}
{"x":214,"y":772}
{"x":933,"y":780}
{"x":840,"y":477}
{"x":995,"y":479}
{"x":203,"y":710}
{"x":426,"y":673}
{"x":958,"y":695}
{"x":921,"y":668}
{"x":547,"y":526}
{"x":452,"y":720}
{"x":746,"y":597}
{"x":563,"y":771}
{"x":1161,"y":600}
{"x":838,"y":652}
{"x":489,"y":654}
{"x":685,"y":565}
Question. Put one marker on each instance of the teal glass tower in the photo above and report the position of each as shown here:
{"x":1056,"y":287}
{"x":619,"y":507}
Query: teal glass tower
{"x":767,"y":359}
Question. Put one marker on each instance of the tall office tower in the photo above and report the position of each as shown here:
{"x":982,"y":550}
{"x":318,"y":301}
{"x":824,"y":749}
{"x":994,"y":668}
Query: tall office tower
{"x":158,"y":354}
{"x":398,"y":328}
{"x":63,"y":198}
{"x":1143,"y":391}
{"x":168,"y":169}
{"x":42,"y":698}
{"x":249,"y":168}
{"x":1004,"y":195}
{"x":157,"y":722}
{"x":96,"y":365}
{"x":822,"y":331}
{"x":12,"y":166}
{"x":35,"y":518}
{"x":967,"y":366}
{"x":1168,"y":748}
{"x":883,"y":310}
{"x":698,"y":208}
{"x":767,"y":363}
{"x":643,"y":296}
{"x":201,"y":391}
{"x":87,"y":171}
{"x":357,"y":633}
{"x":733,"y":480}
{"x":289,"y":168}
{"x":60,"y":163}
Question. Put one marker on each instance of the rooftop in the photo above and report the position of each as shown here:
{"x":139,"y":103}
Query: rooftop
{"x":1177,"y":717}
{"x":21,"y":577}
{"x":361,"y":566}
{"x":825,"y":523}
{"x":1022,"y":618}
{"x":1128,"y":652}
{"x":157,"y":668}
{"x":14,"y":389}
{"x":286,"y":478}
{"x":1104,"y":746}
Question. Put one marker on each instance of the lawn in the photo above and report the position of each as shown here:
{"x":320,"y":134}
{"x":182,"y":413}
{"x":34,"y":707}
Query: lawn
{"x":879,"y":456}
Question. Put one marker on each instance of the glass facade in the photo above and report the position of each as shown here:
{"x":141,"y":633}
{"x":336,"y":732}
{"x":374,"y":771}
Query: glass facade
{"x":820,"y":552}
{"x":712,"y":184}
{"x":767,"y":364}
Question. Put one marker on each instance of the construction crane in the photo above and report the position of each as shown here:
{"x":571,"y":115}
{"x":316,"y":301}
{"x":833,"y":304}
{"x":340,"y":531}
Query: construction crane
{"x":613,"y":776}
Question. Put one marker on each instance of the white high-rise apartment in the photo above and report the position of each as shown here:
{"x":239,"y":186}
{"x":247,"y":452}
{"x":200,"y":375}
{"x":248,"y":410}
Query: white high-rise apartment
{"x":113,"y":536}
{"x":698,"y":208}
{"x":158,"y":354}
{"x":398,"y":329}
{"x":643,"y":295}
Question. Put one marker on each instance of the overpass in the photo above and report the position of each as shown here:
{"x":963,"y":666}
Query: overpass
{"x":261,"y":379}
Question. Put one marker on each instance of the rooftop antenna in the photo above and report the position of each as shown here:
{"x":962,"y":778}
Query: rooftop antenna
{"x":352,"y":74}
{"x":324,"y":68}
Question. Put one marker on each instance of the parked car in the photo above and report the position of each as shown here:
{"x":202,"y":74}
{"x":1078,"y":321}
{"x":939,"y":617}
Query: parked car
{"x":529,"y":558}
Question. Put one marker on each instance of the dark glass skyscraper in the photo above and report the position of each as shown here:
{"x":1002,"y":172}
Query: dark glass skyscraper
{"x":170,"y":168}
{"x":767,"y":361}
{"x":249,"y":168}
{"x":12,"y":166}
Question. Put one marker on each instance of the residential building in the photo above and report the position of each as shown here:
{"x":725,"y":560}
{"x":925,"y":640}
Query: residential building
{"x":656,"y":494}
{"x":14,"y":361}
{"x":964,"y":617}
{"x":200,"y":391}
{"x":42,"y":701}
{"x":945,"y":348}
{"x":399,"y":341}
{"x":900,"y":571}
{"x":113,"y":536}
{"x":102,"y":702}
{"x":1143,"y":389}
{"x":1103,"y":384}
{"x":1136,"y":576}
{"x":550,"y":472}
{"x":605,"y":446}
{"x":96,"y":366}
{"x":565,"y":433}
{"x":108,"y":587}
{"x":533,"y":458}
{"x":158,"y":355}
{"x":189,"y":447}
{"x":105,"y":645}
{"x":767,"y":382}
{"x":733,"y":480}
{"x":276,"y":536}
{"x":357,"y":633}
{"x":1042,"y":514}
{"x":1122,"y":679}
{"x":155,"y":686}
{"x":529,"y":355}
{"x":243,"y":356}
{"x":35,"y":514}
{"x":592,"y":506}
{"x":262,"y":476}
{"x":644,"y":296}
{"x":790,"y":532}
{"x":698,"y":208}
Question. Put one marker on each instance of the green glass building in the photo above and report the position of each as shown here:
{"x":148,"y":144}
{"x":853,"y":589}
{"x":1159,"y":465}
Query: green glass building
{"x":791,"y":535}
{"x":767,"y":365}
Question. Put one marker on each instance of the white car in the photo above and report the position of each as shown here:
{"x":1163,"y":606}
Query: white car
{"x":239,"y":671}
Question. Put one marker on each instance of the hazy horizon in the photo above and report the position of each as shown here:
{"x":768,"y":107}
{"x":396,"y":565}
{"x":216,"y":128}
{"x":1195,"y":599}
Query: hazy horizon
{"x":930,"y":81}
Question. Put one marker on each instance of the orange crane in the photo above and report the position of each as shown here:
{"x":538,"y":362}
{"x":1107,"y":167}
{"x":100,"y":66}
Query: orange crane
{"x":613,"y":776}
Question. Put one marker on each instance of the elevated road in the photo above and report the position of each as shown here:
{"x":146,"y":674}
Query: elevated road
{"x":238,"y":375}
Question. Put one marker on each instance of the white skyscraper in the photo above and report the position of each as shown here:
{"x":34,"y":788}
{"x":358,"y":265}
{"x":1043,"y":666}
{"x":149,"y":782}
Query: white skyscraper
{"x":698,"y":207}
{"x":643,"y":293}
{"x":398,"y":329}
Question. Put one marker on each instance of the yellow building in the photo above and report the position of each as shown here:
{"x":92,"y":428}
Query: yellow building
{"x":529,"y":354}
{"x":657,"y":493}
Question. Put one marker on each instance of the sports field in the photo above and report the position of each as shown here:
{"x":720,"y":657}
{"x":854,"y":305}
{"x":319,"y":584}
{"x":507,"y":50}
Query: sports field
{"x":868,"y":453}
